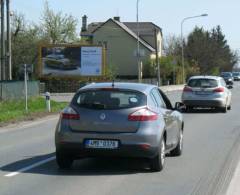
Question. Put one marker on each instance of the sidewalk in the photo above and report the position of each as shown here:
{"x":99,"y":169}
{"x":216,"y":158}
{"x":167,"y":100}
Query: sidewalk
{"x":62,"y":97}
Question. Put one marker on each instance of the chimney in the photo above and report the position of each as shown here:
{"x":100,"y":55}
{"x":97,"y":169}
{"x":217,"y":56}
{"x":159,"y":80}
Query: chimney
{"x":84,"y":23}
{"x":117,"y":18}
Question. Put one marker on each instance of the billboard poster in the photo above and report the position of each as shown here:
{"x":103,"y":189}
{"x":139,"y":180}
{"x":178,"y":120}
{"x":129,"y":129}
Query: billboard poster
{"x":72,"y":60}
{"x":91,"y":61}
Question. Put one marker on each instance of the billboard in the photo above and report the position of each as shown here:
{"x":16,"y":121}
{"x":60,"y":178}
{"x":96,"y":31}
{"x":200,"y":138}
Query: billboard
{"x":91,"y":61}
{"x":71,"y":60}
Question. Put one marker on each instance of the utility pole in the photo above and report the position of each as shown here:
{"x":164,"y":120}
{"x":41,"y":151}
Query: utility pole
{"x":157,"y":57}
{"x":9,"y":48}
{"x":0,"y":48}
{"x":3,"y":70}
{"x":138,"y":46}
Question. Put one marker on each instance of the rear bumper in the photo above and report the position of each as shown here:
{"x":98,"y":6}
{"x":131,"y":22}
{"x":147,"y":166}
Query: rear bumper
{"x":77,"y":150}
{"x":229,"y":82}
{"x":204,"y":103}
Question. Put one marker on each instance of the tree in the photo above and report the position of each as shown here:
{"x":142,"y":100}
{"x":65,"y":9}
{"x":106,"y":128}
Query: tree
{"x":172,"y":45}
{"x":170,"y":69}
{"x":26,"y":37}
{"x":25,"y":40}
{"x":210,"y":51}
{"x":57,"y":27}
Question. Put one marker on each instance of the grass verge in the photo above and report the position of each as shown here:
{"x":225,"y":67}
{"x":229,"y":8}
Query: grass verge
{"x":14,"y":110}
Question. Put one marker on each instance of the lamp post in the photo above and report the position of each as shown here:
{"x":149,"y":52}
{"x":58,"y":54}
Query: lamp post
{"x":9,"y":47}
{"x":187,"y":18}
{"x":3,"y":68}
{"x":138,"y":47}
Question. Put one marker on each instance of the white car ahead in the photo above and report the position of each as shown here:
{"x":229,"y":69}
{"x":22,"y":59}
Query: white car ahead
{"x":207,"y":92}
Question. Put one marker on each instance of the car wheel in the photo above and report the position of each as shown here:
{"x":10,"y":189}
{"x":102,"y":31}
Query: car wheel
{"x":229,"y":107}
{"x":63,"y":161}
{"x":223,"y":109}
{"x":157,"y":163}
{"x":178,"y":150}
{"x":188,"y":108}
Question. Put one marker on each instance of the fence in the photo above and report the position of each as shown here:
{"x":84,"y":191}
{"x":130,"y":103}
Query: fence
{"x":10,"y":90}
{"x":71,"y":86}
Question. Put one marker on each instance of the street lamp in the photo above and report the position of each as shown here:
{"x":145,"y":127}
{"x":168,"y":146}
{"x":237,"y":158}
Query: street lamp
{"x":187,"y":18}
{"x":138,"y":49}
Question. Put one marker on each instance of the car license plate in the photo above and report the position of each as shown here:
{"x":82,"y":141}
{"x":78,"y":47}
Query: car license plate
{"x":105,"y":144}
{"x":203,"y":93}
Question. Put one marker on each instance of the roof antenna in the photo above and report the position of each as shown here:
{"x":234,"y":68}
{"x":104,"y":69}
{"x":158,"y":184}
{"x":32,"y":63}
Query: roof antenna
{"x":113,"y":83}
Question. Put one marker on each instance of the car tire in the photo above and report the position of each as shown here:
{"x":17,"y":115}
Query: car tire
{"x":63,"y":161}
{"x":157,"y":163}
{"x":188,"y":109}
{"x":229,"y":107}
{"x":223,"y":109}
{"x":178,"y":150}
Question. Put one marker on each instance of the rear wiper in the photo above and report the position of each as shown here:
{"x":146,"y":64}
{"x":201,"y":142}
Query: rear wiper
{"x":205,"y":86}
{"x":98,"y":106}
{"x":93,"y":105}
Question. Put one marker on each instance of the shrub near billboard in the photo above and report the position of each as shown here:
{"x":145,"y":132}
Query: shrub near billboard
{"x":71,"y":61}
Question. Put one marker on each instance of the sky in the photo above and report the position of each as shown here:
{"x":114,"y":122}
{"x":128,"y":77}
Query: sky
{"x":167,"y":14}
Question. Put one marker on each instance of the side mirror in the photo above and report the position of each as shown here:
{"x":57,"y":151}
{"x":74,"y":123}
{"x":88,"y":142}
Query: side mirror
{"x":179,"y":106}
{"x":229,"y":86}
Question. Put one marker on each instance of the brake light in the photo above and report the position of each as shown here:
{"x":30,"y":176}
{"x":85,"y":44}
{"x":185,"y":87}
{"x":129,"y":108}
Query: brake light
{"x":219,"y":90}
{"x":143,"y":114}
{"x":187,"y":89}
{"x":70,"y":114}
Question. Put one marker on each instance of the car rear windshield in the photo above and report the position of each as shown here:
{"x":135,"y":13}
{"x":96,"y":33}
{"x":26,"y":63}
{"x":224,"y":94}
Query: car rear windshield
{"x":203,"y":83}
{"x":109,"y":99}
{"x":226,"y":74}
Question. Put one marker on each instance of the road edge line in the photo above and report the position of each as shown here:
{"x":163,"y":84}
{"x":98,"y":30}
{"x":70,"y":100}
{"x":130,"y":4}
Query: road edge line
{"x":30,"y":167}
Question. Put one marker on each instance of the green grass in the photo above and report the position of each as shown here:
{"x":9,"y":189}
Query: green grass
{"x":14,"y":110}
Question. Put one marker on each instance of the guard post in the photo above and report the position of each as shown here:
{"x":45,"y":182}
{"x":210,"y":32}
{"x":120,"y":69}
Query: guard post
{"x":48,"y":101}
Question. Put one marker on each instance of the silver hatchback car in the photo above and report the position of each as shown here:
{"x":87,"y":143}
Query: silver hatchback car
{"x":119,"y":120}
{"x":207,"y":91}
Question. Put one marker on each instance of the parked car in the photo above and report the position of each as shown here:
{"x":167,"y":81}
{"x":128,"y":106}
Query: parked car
{"x":228,"y":77}
{"x":119,"y":120}
{"x":236,"y":76}
{"x":207,"y":92}
{"x":58,"y":61}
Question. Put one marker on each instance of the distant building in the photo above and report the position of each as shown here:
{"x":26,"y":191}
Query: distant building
{"x":120,"y":40}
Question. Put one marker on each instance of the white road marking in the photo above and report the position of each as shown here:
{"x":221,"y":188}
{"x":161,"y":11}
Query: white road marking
{"x":30,"y":167}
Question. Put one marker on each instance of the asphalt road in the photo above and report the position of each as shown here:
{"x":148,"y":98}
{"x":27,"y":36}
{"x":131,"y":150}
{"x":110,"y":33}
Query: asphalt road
{"x":211,"y":150}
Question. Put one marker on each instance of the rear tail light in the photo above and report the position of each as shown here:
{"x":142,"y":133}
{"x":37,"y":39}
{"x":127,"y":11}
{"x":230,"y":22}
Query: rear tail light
{"x":187,"y":89}
{"x":143,"y":114}
{"x":219,"y":90}
{"x":70,"y":114}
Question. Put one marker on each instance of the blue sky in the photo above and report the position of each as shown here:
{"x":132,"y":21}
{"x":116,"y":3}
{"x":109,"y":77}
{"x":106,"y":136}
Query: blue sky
{"x":166,"y":14}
